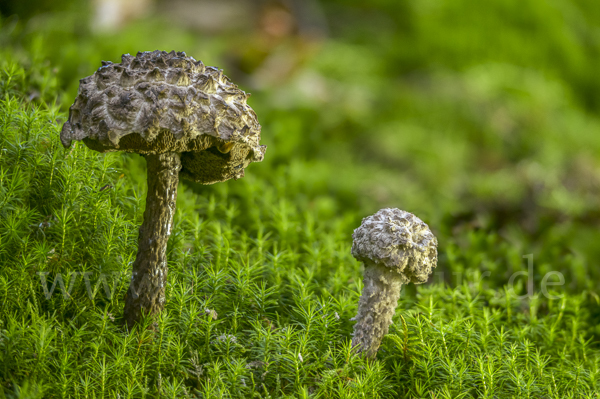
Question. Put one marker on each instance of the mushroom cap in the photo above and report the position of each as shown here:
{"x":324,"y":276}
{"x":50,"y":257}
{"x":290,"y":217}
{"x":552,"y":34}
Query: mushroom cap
{"x":399,"y":240}
{"x":160,"y":102}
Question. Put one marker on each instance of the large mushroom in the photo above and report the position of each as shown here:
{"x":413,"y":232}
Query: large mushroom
{"x":185,"y":119}
{"x":396,"y":248}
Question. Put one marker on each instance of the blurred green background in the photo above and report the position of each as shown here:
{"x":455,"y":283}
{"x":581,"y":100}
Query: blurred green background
{"x":479,"y":117}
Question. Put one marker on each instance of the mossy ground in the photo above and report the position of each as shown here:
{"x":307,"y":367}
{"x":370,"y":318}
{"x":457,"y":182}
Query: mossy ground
{"x":496,"y":152}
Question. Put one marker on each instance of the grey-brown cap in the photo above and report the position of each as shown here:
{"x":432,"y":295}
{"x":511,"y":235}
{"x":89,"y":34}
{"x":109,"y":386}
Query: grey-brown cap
{"x":167,"y":102}
{"x":399,"y":240}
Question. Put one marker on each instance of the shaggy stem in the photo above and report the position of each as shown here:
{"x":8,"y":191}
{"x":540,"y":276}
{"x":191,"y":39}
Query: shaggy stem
{"x":376,"y":307}
{"x":146,"y":294}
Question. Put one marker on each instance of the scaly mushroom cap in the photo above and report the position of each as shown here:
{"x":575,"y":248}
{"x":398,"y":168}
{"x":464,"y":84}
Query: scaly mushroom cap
{"x":399,"y":240}
{"x":167,"y":102}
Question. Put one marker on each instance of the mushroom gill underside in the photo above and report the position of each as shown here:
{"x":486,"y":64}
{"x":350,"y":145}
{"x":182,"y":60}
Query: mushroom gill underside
{"x":205,"y":159}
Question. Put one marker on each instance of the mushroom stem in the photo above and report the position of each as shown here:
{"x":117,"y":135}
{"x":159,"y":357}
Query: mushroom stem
{"x":146,"y":293}
{"x":376,"y":307}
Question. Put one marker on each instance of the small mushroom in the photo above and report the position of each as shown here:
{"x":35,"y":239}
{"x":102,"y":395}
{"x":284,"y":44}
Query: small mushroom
{"x":396,"y":248}
{"x":187,"y":120}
